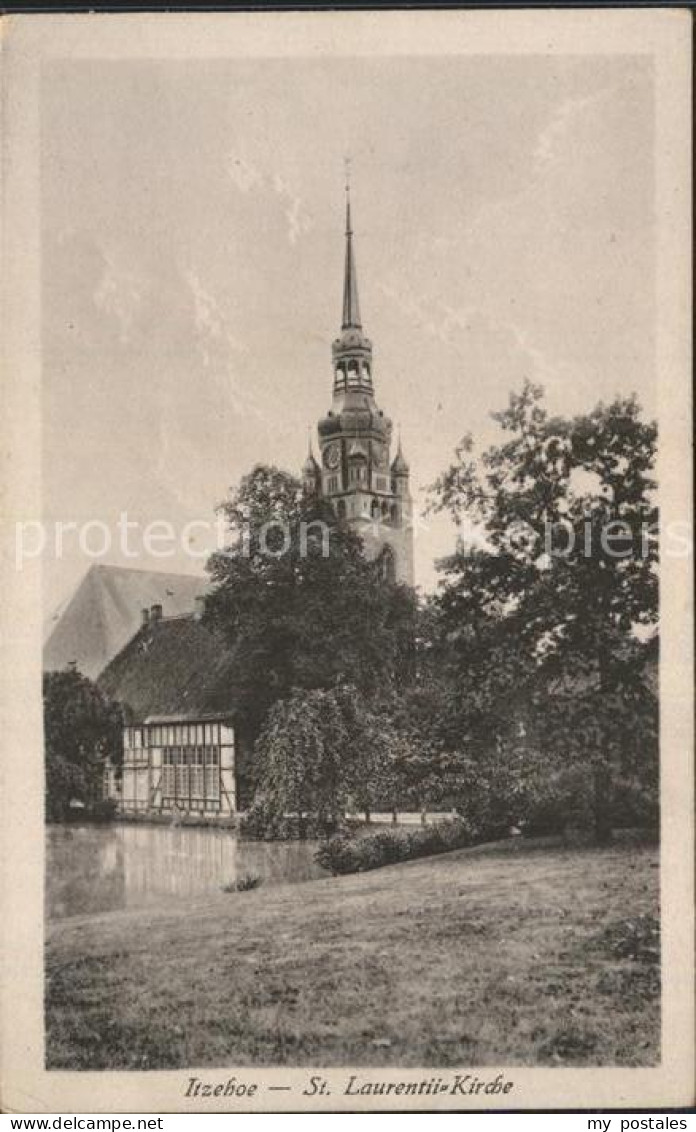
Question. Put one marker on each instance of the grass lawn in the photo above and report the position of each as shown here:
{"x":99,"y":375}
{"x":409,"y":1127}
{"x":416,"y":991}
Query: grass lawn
{"x":477,"y":957}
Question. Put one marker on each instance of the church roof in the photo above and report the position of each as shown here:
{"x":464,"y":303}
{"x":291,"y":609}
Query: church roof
{"x":399,"y":462}
{"x":310,"y":466}
{"x":105,"y":611}
{"x":175,"y":667}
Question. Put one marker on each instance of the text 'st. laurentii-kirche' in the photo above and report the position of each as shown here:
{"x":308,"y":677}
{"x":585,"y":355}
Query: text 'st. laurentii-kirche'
{"x":182,"y":748}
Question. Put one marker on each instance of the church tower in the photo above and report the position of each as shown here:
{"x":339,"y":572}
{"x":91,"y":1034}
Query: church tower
{"x":356,"y":473}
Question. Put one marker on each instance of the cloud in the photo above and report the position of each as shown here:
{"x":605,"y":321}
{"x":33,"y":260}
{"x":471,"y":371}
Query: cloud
{"x":220,"y":349}
{"x":245,"y":176}
{"x":564,"y":123}
{"x":119,"y":293}
{"x":434,"y":316}
{"x":210,"y":320}
{"x":242,"y":174}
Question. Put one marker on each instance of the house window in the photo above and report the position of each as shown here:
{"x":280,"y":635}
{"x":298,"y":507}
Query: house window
{"x":197,"y":779}
{"x":212,"y":773}
{"x":182,"y":777}
{"x":192,"y":771}
{"x":168,"y":783}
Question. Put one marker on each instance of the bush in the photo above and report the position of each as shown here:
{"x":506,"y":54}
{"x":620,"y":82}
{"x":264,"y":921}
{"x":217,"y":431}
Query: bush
{"x":244,"y":883}
{"x":636,"y":804}
{"x":262,"y":823}
{"x":103,"y":811}
{"x":341,"y":855}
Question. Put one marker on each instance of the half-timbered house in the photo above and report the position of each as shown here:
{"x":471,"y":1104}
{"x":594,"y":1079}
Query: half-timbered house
{"x":183,"y":752}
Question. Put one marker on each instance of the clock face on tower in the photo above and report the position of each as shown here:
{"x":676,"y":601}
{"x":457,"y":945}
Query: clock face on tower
{"x":332,"y":456}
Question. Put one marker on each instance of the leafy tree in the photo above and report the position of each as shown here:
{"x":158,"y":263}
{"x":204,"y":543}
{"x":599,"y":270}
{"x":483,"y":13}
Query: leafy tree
{"x":415,"y":722}
{"x":82,"y":730}
{"x":320,"y":754}
{"x":541,"y":615}
{"x":299,"y":602}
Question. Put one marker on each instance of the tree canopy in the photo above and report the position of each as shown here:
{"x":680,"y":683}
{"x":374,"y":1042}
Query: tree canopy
{"x":321,"y":754}
{"x":542,"y":617}
{"x":299,"y":602}
{"x":82,"y":730}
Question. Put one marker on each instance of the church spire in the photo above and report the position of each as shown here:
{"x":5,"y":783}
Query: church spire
{"x":351,"y":307}
{"x":351,"y":351}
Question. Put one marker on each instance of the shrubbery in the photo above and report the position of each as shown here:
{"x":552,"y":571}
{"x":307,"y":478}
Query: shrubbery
{"x":543,"y":792}
{"x":321,"y":754}
{"x":102,"y":811}
{"x":245,"y":883}
{"x":263,"y":823}
{"x":360,"y":854}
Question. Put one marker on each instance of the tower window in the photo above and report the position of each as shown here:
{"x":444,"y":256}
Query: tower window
{"x":341,"y":508}
{"x":387,"y":565}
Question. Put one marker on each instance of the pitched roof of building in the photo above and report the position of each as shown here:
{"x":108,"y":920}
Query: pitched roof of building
{"x":105,"y":611}
{"x":176,"y":667}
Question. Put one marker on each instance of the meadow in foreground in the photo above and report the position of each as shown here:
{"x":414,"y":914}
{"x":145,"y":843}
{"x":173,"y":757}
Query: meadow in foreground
{"x":477,"y":957}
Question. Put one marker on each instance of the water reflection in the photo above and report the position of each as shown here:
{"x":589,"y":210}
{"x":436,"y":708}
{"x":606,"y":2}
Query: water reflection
{"x":100,"y":868}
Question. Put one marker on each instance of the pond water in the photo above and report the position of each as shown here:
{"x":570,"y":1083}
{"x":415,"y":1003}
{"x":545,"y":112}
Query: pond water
{"x":100,"y":868}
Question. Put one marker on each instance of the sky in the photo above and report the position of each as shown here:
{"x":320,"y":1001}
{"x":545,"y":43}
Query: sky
{"x":192,"y":257}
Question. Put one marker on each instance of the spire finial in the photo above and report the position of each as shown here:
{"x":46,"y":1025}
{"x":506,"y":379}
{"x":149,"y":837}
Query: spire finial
{"x":399,"y":463}
{"x":351,"y":308}
{"x":346,"y":166}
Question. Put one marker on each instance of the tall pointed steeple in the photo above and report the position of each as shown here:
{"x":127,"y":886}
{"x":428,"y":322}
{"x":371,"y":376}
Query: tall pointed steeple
{"x":367,"y":489}
{"x":351,"y":306}
{"x":352,"y":351}
{"x":311,"y":472}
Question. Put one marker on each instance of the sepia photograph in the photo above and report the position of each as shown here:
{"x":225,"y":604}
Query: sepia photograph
{"x":356,"y":557}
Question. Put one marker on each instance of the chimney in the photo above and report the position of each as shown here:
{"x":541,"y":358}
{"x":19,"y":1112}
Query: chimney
{"x":200,"y":606}
{"x":145,"y":616}
{"x":156,"y":613}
